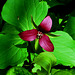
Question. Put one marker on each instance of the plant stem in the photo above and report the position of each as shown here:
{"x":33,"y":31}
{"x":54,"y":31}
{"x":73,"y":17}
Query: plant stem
{"x":49,"y":70}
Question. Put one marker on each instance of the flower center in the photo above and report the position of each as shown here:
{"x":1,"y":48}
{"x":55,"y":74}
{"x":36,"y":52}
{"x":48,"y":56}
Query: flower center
{"x":39,"y":35}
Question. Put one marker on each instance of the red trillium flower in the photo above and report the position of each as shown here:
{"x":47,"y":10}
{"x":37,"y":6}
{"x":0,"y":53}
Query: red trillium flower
{"x":40,"y":33}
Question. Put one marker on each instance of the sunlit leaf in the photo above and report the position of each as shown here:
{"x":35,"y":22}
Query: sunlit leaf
{"x":11,"y":52}
{"x":45,"y":60}
{"x":19,"y":12}
{"x":64,"y":48}
{"x":36,"y":67}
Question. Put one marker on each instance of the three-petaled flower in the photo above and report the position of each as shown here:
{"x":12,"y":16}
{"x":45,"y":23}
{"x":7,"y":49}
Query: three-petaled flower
{"x":40,"y":33}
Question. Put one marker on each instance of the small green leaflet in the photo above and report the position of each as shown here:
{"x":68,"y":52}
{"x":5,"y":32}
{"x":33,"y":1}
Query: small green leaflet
{"x":35,"y":68}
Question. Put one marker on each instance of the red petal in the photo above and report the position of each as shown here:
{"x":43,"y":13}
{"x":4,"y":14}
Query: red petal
{"x":45,"y":43}
{"x":28,"y":35}
{"x":46,"y":24}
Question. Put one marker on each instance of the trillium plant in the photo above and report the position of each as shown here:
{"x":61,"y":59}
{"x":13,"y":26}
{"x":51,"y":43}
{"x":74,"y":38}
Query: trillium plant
{"x":37,"y":37}
{"x":40,"y":33}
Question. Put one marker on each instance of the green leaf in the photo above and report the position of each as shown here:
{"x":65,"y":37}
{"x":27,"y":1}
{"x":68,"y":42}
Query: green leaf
{"x":18,"y":71}
{"x":45,"y":60}
{"x":62,"y":72}
{"x":19,"y":12}
{"x":64,"y":48}
{"x":60,"y":20}
{"x":9,"y":29}
{"x":10,"y":53}
{"x":21,"y":64}
{"x":53,"y":71}
{"x":36,"y":67}
{"x":42,"y":72}
{"x":70,"y":25}
{"x":33,"y":55}
{"x":72,"y":71}
{"x":36,"y":44}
